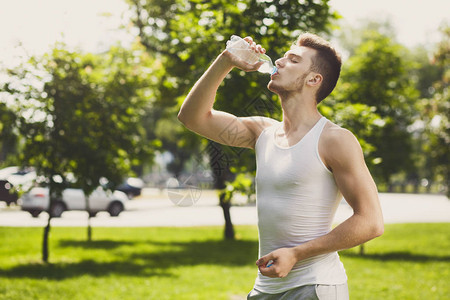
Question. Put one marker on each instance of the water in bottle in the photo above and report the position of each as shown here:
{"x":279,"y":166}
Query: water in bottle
{"x":239,"y":47}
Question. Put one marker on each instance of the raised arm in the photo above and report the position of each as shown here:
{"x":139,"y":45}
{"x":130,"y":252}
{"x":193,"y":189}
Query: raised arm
{"x":342,"y":154}
{"x":198,"y":115}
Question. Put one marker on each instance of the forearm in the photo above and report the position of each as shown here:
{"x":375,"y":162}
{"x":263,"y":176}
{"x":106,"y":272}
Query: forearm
{"x":200,"y":100}
{"x":354,"y":231}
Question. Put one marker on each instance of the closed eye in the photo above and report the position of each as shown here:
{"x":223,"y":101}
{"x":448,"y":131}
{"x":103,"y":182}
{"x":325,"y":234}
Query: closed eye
{"x":293,"y":57}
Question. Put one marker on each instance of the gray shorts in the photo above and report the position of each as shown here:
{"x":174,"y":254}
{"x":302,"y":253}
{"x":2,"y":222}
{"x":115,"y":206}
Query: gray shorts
{"x":306,"y":292}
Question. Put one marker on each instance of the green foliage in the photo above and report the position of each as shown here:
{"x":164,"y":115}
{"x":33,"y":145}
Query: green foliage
{"x":408,"y":91}
{"x":425,"y":73}
{"x":243,"y":183}
{"x":350,"y":38}
{"x":432,"y":130}
{"x":361,"y":119}
{"x":84,"y":118}
{"x":187,"y":35}
{"x":377,"y":75}
{"x":8,"y":134}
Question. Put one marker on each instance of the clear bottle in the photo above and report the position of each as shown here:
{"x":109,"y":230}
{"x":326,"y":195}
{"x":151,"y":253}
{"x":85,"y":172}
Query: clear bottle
{"x":239,"y":47}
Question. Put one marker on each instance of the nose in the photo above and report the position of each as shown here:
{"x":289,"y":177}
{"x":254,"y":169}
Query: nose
{"x":279,"y":62}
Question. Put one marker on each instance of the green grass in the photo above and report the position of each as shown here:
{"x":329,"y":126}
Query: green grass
{"x":410,"y":261}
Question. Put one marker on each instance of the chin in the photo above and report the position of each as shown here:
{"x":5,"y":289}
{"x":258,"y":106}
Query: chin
{"x":271,"y":86}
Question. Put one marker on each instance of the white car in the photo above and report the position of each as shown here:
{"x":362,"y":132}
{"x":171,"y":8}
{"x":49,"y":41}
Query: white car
{"x":14,"y":180}
{"x":37,"y":201}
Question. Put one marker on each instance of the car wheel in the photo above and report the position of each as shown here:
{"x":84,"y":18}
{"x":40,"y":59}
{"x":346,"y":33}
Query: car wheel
{"x":35,"y":213}
{"x":115,"y":209}
{"x":57,"y":209}
{"x":10,"y":201}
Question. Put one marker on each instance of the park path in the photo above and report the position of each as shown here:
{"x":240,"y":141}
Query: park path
{"x":154,"y":208}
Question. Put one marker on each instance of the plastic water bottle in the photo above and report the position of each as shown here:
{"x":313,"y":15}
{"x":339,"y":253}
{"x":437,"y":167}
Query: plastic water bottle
{"x":240,"y":48}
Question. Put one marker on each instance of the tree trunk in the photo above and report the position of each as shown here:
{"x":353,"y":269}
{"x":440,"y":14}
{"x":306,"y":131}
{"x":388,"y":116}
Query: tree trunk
{"x":430,"y":183}
{"x":226,"y":205}
{"x":89,"y":228}
{"x":45,"y":249}
{"x":220,"y":166}
{"x":361,"y":250}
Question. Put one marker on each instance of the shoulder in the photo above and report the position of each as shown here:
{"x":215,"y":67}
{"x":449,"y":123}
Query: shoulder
{"x":336,"y":135}
{"x":338,"y":146}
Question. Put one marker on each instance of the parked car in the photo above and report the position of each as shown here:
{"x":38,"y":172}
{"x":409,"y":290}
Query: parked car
{"x":37,"y":200}
{"x":132,"y":187}
{"x":13,"y":180}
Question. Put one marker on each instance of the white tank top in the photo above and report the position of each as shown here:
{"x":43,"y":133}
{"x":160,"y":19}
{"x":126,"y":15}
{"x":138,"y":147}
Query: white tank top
{"x":296,"y":198}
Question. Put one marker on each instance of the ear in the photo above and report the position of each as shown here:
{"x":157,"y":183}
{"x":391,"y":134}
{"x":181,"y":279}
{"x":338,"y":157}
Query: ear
{"x":314,"y":79}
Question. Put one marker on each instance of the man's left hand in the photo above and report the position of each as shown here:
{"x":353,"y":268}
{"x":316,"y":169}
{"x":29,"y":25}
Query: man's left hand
{"x":283,"y":260}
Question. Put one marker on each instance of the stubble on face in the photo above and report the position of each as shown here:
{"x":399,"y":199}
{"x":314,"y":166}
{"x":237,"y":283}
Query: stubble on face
{"x":285,"y":91}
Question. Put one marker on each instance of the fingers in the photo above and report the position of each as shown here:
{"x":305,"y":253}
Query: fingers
{"x":271,"y":265}
{"x":260,"y":49}
{"x":269,"y":270}
{"x":255,"y":47}
{"x":242,"y":64}
{"x":273,"y":270}
{"x":248,"y":39}
{"x":266,"y":265}
{"x":263,"y":261}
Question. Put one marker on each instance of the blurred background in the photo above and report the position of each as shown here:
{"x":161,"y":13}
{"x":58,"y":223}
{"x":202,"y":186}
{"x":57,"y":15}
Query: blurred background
{"x":114,"y":74}
{"x":89,"y":96}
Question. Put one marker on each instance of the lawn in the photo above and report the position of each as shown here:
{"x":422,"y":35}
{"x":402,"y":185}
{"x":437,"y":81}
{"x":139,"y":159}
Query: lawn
{"x":410,"y":261}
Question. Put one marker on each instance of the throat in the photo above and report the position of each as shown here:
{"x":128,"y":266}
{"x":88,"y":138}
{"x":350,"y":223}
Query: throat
{"x":286,"y":139}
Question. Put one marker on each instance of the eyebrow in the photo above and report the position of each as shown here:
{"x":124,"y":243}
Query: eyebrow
{"x":292,"y":54}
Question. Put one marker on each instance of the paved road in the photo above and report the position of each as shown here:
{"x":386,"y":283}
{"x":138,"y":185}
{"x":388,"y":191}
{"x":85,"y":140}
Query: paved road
{"x":154,"y":208}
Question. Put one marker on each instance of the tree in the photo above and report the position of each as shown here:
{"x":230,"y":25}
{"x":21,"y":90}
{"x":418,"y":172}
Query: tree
{"x":86,"y":113}
{"x":441,"y":133}
{"x":359,"y":118}
{"x":187,"y":35}
{"x":432,"y":130}
{"x":351,"y":37}
{"x":377,"y":75}
{"x":8,"y":133}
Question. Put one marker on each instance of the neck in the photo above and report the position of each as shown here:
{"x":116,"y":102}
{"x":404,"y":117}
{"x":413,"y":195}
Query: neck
{"x":299,"y":111}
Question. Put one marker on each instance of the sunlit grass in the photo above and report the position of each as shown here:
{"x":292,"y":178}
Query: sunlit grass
{"x":410,"y":261}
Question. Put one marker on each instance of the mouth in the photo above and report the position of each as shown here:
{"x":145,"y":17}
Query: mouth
{"x":274,"y":74}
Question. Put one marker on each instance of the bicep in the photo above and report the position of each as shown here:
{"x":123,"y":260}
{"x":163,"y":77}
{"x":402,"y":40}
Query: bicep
{"x":357,"y":186}
{"x":352,"y":175}
{"x":227,"y":129}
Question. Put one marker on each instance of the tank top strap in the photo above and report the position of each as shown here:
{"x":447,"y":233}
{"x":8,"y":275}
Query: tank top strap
{"x":318,"y":129}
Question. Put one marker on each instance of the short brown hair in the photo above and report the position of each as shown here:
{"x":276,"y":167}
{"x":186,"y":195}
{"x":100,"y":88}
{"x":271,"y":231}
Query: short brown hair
{"x":326,"y":62}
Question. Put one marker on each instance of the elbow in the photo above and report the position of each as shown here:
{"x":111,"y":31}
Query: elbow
{"x":192,"y":121}
{"x":186,"y":120}
{"x":377,"y":228}
{"x":183,"y":118}
{"x":372,"y":227}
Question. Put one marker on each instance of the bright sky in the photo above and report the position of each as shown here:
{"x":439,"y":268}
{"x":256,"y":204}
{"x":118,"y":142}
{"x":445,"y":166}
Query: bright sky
{"x":415,"y":21}
{"x":37,"y":24}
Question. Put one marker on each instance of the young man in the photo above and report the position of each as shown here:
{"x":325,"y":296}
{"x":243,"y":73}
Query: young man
{"x":305,"y":164}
